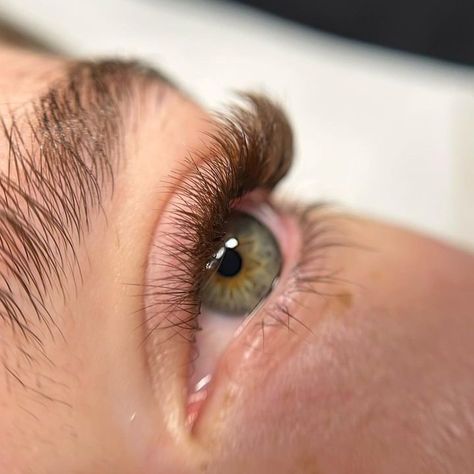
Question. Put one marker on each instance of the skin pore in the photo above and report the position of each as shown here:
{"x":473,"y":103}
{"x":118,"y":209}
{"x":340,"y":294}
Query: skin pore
{"x":371,"y":373}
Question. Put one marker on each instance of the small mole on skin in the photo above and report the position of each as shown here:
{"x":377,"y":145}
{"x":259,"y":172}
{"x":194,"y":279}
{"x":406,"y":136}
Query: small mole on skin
{"x":345,"y":299}
{"x":308,"y":465}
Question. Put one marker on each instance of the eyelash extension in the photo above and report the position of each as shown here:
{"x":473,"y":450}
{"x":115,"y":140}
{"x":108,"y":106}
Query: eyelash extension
{"x":252,"y":149}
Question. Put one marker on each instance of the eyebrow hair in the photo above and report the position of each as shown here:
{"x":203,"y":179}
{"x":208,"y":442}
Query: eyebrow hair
{"x":61,"y":158}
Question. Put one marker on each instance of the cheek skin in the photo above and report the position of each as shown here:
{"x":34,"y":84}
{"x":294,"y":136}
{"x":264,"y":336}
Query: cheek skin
{"x":383,"y":382}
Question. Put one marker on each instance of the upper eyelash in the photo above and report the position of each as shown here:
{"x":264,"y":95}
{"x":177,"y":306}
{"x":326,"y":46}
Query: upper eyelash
{"x":237,"y":162}
{"x":251,"y":149}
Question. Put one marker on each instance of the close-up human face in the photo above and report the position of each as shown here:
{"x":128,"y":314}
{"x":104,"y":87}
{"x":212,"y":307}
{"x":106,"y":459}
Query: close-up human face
{"x":163,"y":312}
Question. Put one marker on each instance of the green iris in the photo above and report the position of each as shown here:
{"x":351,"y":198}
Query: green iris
{"x":245,"y":269}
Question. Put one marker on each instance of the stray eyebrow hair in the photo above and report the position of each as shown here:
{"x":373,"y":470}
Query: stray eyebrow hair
{"x":61,"y":158}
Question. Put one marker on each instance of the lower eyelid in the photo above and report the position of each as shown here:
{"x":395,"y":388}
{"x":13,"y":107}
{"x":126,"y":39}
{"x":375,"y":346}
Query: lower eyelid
{"x":274,"y":328}
{"x":218,"y":328}
{"x":305,"y":235}
{"x":172,"y":305}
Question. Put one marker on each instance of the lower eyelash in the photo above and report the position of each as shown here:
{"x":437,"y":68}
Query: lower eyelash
{"x":311,"y":272}
{"x":177,"y":291}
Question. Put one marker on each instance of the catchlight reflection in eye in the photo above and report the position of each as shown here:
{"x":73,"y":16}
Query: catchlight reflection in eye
{"x":244,"y":270}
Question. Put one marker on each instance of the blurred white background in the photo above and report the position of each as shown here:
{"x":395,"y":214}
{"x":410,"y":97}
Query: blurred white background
{"x":386,"y":134}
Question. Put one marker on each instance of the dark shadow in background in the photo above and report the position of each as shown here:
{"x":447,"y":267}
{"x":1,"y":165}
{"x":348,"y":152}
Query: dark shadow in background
{"x":12,"y":35}
{"x":442,"y":29}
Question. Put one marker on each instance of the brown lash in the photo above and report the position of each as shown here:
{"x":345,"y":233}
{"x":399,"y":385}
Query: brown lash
{"x":252,"y":149}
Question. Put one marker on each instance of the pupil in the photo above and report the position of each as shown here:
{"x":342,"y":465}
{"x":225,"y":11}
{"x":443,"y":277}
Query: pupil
{"x":231,"y":263}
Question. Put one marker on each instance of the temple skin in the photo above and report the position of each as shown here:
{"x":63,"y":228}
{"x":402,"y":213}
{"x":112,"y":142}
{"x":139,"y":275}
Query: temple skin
{"x":380,"y":380}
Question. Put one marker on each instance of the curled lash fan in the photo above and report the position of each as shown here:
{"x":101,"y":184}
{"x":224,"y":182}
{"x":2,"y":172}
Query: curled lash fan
{"x":252,"y":149}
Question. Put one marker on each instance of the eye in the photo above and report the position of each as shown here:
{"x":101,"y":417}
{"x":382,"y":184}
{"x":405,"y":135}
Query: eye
{"x":241,"y":274}
{"x":244,"y":269}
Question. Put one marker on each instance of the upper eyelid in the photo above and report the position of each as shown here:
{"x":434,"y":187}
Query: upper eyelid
{"x":251,"y":148}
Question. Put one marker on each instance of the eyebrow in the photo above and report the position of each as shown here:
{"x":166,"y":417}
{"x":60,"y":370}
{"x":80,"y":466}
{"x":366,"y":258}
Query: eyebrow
{"x":61,"y":157}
